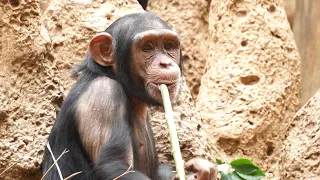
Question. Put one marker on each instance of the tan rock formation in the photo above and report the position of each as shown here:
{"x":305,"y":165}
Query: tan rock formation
{"x":29,"y":86}
{"x":250,"y":90}
{"x":300,"y":158}
{"x":190,"y":19}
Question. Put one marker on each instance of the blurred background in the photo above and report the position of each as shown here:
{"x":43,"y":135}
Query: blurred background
{"x":303,"y":16}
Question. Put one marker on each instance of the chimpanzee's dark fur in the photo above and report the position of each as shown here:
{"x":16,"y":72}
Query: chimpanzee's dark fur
{"x":65,"y":135}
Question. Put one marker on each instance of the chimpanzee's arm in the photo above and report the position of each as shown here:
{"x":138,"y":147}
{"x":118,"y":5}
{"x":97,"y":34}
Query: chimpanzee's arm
{"x":116,"y":155}
{"x":165,"y":172}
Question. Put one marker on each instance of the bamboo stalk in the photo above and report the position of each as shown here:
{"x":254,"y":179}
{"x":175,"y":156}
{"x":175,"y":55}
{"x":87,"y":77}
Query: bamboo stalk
{"x":173,"y":132}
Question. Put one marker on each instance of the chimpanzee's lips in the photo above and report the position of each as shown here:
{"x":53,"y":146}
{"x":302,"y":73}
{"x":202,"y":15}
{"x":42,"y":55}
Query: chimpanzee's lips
{"x":154,"y":89}
{"x":168,"y":83}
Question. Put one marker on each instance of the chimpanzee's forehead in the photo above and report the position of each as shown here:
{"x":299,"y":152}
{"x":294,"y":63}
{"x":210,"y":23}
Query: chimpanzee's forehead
{"x":158,"y":33}
{"x":140,"y":25}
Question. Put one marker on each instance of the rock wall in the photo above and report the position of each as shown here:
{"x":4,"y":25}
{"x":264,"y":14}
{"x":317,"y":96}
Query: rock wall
{"x":250,"y":89}
{"x":28,"y":89}
{"x":300,"y":158}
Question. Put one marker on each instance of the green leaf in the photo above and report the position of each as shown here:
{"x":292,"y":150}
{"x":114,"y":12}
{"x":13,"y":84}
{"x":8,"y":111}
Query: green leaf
{"x":218,"y":161}
{"x":244,"y":166}
{"x":228,"y":176}
{"x":235,"y":176}
{"x":259,"y":172}
{"x":253,"y":176}
{"x":225,"y":176}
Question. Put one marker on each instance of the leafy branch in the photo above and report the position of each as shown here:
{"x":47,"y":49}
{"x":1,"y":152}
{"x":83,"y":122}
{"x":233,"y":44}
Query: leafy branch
{"x":239,"y":169}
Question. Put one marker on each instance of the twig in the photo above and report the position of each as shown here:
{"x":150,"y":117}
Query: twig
{"x":220,"y":156}
{"x":55,"y":161}
{"x":74,"y":174}
{"x":126,"y":172}
{"x":172,"y":131}
{"x":7,"y":168}
{"x":64,"y":152}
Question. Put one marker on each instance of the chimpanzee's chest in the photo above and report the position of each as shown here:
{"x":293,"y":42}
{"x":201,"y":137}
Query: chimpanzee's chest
{"x":144,"y":152}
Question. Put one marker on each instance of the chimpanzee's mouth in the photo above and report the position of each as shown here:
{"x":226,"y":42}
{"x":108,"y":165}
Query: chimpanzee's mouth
{"x":167,"y":83}
{"x":154,"y":89}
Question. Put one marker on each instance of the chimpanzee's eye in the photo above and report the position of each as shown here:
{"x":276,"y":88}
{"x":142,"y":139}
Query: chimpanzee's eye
{"x":147,"y":47}
{"x":169,"y":46}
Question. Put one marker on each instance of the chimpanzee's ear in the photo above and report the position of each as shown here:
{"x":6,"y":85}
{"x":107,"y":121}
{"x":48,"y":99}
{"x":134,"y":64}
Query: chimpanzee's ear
{"x":101,"y":49}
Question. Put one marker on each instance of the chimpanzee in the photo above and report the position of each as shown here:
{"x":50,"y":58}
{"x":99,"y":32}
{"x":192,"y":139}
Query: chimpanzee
{"x":104,"y":119}
{"x":143,"y":3}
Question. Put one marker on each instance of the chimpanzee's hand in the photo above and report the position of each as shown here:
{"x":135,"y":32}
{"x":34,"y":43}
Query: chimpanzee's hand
{"x":201,"y":170}
{"x":204,"y":169}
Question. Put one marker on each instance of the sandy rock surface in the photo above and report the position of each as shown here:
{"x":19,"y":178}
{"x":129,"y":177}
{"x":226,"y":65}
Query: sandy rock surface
{"x":250,"y":89}
{"x":28,"y":90}
{"x":300,"y":158}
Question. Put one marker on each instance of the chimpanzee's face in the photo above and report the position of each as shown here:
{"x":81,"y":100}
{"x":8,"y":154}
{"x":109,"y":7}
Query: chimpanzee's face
{"x":143,"y":53}
{"x":155,"y":60}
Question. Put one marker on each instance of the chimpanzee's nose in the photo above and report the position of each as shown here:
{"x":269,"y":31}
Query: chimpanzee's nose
{"x":165,"y":62}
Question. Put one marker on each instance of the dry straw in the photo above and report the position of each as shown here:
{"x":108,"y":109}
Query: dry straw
{"x":173,"y":132}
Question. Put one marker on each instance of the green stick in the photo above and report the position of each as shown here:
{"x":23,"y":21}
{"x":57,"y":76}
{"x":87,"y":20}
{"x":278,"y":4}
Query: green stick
{"x":172,"y":131}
